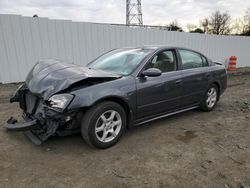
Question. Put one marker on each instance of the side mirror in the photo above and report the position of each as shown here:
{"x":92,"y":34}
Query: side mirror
{"x":152,"y":72}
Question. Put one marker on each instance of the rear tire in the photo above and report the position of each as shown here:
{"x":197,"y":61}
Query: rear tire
{"x":103,"y":124}
{"x":210,"y":98}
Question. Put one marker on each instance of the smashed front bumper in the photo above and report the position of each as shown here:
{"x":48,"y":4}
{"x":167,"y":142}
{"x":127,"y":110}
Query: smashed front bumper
{"x":13,"y":125}
{"x":40,"y":120}
{"x":36,"y":131}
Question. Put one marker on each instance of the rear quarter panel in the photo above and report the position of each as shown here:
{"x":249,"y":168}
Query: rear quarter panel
{"x":219,"y":76}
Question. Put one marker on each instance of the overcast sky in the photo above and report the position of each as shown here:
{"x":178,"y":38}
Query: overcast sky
{"x":155,"y":12}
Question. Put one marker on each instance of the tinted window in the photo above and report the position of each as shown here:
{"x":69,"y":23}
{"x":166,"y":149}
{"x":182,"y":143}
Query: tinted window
{"x":190,"y":59}
{"x":165,"y":61}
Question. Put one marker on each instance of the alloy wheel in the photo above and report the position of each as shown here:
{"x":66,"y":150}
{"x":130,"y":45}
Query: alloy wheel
{"x":108,"y":126}
{"x":211,"y":97}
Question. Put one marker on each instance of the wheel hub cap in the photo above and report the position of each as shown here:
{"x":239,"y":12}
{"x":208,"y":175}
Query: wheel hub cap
{"x":108,"y":126}
{"x":211,"y":97}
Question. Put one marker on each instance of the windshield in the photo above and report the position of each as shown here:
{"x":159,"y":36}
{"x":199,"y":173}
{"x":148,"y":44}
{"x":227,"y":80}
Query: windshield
{"x":121,"y":61}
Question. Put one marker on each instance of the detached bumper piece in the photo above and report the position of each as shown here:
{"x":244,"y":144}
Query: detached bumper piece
{"x":33,"y":138}
{"x":32,"y":129}
{"x":27,"y":127}
{"x":13,"y":125}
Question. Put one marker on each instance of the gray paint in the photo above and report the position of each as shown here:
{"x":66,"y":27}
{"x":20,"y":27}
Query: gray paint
{"x":143,"y":98}
{"x":147,"y":97}
{"x":25,"y":40}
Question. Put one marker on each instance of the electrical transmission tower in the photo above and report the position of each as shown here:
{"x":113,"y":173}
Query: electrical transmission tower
{"x":133,"y":12}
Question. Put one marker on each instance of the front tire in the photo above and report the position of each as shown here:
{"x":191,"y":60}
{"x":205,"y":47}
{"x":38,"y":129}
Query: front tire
{"x":210,"y":98}
{"x":103,"y":124}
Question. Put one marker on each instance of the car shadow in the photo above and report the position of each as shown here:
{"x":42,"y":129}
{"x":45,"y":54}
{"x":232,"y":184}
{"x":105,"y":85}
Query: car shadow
{"x":75,"y":141}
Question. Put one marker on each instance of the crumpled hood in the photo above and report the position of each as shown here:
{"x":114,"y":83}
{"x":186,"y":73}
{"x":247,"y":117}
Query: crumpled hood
{"x":50,"y":76}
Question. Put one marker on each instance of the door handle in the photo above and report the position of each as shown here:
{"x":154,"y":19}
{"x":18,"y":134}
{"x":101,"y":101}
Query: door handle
{"x":178,"y":82}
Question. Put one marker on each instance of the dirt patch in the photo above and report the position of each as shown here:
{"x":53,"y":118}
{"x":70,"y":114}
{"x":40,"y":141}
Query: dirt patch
{"x":192,"y":149}
{"x":187,"y":137}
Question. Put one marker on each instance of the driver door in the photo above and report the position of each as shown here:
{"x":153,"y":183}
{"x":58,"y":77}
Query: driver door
{"x":159,"y":95}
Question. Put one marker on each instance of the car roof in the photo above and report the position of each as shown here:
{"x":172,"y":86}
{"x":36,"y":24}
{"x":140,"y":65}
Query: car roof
{"x":155,"y":47}
{"x":159,"y":47}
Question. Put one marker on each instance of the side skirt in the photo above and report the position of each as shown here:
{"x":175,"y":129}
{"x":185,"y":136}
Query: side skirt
{"x":166,"y":115}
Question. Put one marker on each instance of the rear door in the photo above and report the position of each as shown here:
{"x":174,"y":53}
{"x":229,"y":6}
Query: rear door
{"x":159,"y":95}
{"x":195,"y":76}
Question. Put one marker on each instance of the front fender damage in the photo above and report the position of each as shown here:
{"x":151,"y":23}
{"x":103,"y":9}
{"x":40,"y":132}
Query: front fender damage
{"x":40,"y":120}
{"x":46,"y":79}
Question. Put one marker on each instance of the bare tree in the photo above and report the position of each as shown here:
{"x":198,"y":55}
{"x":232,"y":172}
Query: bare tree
{"x":191,"y":27}
{"x":247,"y":16}
{"x":246,"y":27}
{"x":197,"y":30}
{"x":219,"y":23}
{"x":237,"y":26}
{"x":194,"y":28}
{"x":204,"y":24}
{"x":174,"y":26}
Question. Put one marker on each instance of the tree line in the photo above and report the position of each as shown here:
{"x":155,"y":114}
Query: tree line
{"x":218,"y":23}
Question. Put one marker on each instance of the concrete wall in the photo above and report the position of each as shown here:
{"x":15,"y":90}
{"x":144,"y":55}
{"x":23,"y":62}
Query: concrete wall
{"x":24,"y":40}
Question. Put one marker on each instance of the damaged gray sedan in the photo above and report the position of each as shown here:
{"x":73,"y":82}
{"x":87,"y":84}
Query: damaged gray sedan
{"x":122,"y":88}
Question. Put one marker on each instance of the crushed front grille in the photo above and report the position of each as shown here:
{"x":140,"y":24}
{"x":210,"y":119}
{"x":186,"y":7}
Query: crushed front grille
{"x":31,"y":103}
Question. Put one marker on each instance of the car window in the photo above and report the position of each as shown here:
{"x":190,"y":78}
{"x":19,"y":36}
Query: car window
{"x":120,"y":61}
{"x":190,"y":59}
{"x":165,"y":61}
{"x":204,"y":60}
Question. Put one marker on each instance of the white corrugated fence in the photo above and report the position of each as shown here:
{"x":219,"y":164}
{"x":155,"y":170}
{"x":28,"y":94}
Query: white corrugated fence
{"x":24,"y":40}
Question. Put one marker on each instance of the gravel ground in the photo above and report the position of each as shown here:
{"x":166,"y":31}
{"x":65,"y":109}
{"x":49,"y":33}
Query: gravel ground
{"x":192,"y":149}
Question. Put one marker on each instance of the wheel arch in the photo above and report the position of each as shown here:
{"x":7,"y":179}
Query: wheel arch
{"x":122,"y":102}
{"x":218,"y":87}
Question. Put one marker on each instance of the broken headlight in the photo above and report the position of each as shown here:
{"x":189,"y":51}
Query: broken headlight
{"x":60,"y":100}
